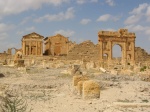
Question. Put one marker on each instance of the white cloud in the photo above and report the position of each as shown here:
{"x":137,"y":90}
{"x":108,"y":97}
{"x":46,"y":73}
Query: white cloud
{"x":107,"y":17}
{"x":85,"y":1}
{"x":110,"y":2}
{"x":148,"y":14}
{"x":139,"y":29}
{"x":132,"y":19}
{"x":8,"y":7}
{"x":5,"y":27}
{"x":69,"y":14}
{"x":67,"y":33}
{"x":139,"y":10}
{"x":85,"y":21}
{"x":3,"y":36}
{"x":147,"y":32}
{"x":140,"y":13}
{"x":32,"y":28}
{"x":110,"y":29}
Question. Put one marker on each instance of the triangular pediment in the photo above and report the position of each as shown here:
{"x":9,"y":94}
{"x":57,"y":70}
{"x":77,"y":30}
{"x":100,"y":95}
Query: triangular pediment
{"x":33,"y":36}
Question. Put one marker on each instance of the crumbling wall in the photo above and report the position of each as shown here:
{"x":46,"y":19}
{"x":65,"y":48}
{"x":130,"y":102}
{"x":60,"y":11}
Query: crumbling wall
{"x":86,"y":50}
{"x":141,"y":55}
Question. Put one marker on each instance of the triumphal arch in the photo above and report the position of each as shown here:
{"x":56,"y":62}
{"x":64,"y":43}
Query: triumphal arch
{"x":123,"y":38}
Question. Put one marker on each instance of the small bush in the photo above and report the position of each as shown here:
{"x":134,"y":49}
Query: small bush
{"x":14,"y":104}
{"x":143,"y":69}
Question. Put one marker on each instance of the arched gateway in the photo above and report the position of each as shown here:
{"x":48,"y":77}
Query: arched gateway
{"x":126,"y":40}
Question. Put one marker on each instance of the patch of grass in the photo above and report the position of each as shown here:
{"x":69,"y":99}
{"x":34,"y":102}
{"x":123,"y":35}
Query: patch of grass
{"x":65,"y":76}
{"x":143,"y":68}
{"x":145,"y":101}
{"x":126,"y":101}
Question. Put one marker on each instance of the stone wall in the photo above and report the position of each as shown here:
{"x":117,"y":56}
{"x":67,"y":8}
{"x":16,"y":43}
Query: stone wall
{"x":141,"y":55}
{"x":84,"y":51}
{"x":57,"y":45}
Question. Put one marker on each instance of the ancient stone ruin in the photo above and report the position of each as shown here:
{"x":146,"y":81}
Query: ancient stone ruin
{"x":59,"y":47}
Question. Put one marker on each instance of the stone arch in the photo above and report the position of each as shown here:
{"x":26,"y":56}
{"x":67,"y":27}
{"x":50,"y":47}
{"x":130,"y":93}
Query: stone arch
{"x":105,"y":56}
{"x":114,"y":58}
{"x":122,"y":38}
{"x":12,"y":51}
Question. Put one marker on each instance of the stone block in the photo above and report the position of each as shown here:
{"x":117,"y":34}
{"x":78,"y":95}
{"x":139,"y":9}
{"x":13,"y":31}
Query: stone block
{"x":78,"y":78}
{"x":91,"y":89}
{"x":79,"y":87}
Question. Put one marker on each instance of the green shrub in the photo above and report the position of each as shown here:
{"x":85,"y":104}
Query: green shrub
{"x":143,"y":69}
{"x":14,"y":104}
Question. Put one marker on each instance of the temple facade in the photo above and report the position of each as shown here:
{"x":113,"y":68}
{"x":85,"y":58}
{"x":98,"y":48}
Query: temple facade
{"x":57,"y":45}
{"x":32,"y":44}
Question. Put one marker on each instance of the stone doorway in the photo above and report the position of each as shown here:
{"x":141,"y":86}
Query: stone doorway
{"x":57,"y":49}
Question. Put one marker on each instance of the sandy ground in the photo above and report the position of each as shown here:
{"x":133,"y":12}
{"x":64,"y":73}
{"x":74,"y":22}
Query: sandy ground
{"x":47,"y":90}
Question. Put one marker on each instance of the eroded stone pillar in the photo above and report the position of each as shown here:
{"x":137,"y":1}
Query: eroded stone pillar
{"x":41,"y":48}
{"x":23,"y":47}
{"x":124,"y":54}
{"x":133,"y":53}
{"x":29,"y":47}
{"x":101,"y":51}
{"x":36,"y":48}
{"x":110,"y":52}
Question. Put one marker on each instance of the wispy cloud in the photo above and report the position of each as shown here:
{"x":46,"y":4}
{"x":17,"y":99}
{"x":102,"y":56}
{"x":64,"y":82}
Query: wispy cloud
{"x":69,"y":14}
{"x":108,"y":17}
{"x":110,"y":2}
{"x":9,"y":7}
{"x":139,"y":9}
{"x":138,"y":13}
{"x":67,"y":33}
{"x":85,"y":21}
{"x":139,"y":29}
{"x":86,"y":1}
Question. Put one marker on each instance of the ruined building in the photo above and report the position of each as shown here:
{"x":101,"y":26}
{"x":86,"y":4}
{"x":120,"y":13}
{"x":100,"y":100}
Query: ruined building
{"x":141,"y":55}
{"x":86,"y":50}
{"x":32,"y":44}
{"x":57,"y":45}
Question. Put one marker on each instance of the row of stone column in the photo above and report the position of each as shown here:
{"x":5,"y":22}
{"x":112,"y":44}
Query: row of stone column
{"x":27,"y":48}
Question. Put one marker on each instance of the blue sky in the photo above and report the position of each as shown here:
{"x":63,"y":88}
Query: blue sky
{"x":77,"y":19}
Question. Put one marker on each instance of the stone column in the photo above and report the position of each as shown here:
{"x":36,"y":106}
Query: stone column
{"x":101,"y":51}
{"x":23,"y":47}
{"x":124,"y":54}
{"x":110,"y":52}
{"x":29,"y":47}
{"x":133,"y":53}
{"x":36,"y":47}
{"x":41,"y":48}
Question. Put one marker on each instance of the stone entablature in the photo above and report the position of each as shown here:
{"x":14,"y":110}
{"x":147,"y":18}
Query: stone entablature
{"x":32,"y":44}
{"x":119,"y":33}
{"x":122,"y":38}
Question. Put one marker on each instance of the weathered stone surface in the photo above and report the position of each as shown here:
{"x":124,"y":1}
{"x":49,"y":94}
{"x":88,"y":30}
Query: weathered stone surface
{"x":78,"y":78}
{"x":80,"y":87}
{"x":91,"y":89}
{"x":84,"y":51}
{"x":57,"y":45}
{"x":32,"y":44}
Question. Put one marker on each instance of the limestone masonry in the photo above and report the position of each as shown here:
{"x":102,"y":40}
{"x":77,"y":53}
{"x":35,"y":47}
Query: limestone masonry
{"x":60,"y":47}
